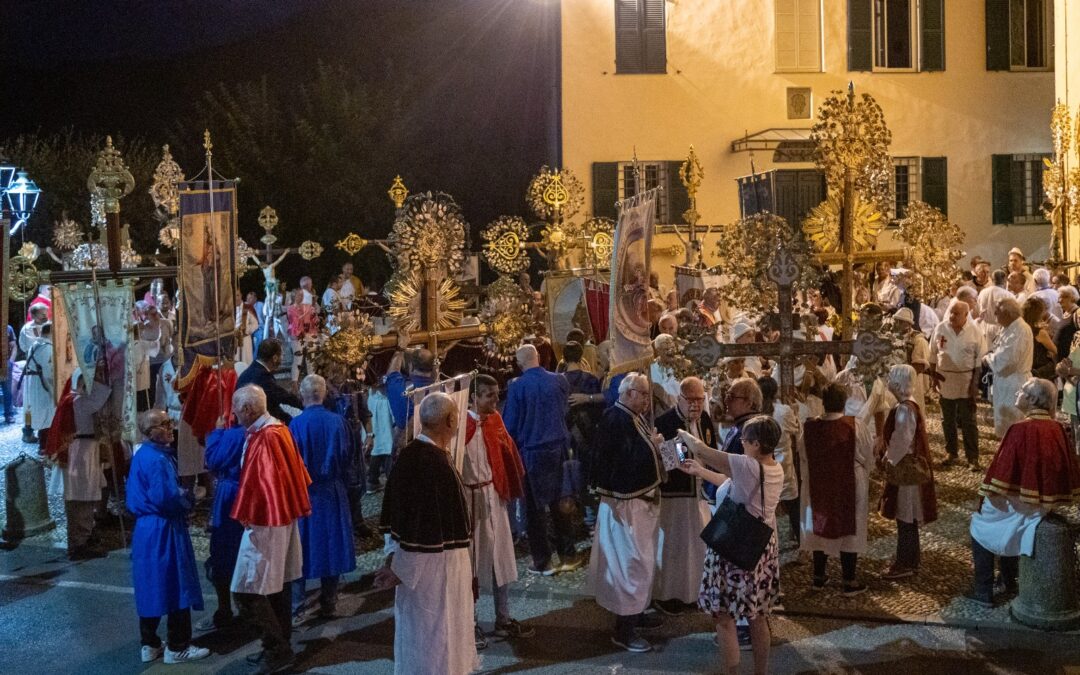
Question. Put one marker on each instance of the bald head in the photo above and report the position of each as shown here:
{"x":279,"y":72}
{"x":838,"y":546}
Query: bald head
{"x":150,"y":419}
{"x":527,"y":357}
{"x":439,"y":418}
{"x":249,"y":404}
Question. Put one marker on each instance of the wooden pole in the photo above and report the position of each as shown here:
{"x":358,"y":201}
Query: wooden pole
{"x":846,"y":217}
{"x":112,"y":240}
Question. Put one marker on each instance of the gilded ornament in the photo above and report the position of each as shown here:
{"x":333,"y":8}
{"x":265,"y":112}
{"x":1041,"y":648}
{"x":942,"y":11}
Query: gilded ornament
{"x":309,"y":250}
{"x":822,"y":224}
{"x":429,"y":236}
{"x":691,"y":175}
{"x":599,"y":241}
{"x":30,"y":251}
{"x":934,"y":245}
{"x":268,"y":218}
{"x":244,"y":252}
{"x":165,"y":189}
{"x":405,"y":298}
{"x":398,"y":192}
{"x":67,"y":234}
{"x":352,"y":244}
{"x":1061,"y":186}
{"x":97,"y":210}
{"x":96,"y":255}
{"x":505,"y":313}
{"x":109,"y":179}
{"x":504,"y":245}
{"x":22,"y":279}
{"x":555,"y":194}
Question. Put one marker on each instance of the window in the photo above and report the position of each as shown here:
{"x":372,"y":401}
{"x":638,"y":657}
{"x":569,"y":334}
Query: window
{"x":798,"y":36}
{"x":1019,"y":34}
{"x":894,"y":34}
{"x":640,"y":37}
{"x":647,"y":176}
{"x":1029,"y":26}
{"x":921,"y":179}
{"x":1018,"y":189}
{"x":615,"y":181}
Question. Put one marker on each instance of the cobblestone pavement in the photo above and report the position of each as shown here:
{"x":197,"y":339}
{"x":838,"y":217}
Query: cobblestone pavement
{"x":935,"y":595}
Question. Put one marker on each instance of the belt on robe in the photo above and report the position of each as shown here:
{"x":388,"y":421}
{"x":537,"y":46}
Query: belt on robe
{"x":477,"y":486}
{"x":89,"y":437}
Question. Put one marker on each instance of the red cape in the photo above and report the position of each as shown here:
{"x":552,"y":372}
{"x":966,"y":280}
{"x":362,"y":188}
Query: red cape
{"x":1034,"y":463}
{"x":273,"y":481}
{"x":201,"y":401}
{"x":507,"y":470}
{"x":62,"y":429}
{"x":830,"y":458}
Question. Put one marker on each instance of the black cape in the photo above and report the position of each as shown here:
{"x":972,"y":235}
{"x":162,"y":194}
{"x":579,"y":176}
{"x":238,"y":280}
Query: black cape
{"x":680,"y":484}
{"x":424,"y":507}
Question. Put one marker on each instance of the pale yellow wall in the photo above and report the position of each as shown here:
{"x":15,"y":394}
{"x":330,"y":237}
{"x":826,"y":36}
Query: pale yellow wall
{"x":1067,"y":77}
{"x":721,"y":83}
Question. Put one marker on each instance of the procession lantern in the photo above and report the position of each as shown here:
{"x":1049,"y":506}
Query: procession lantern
{"x":22,"y":197}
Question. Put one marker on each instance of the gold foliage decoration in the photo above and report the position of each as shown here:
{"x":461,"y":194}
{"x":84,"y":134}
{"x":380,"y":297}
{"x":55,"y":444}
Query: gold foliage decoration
{"x":601,"y":241}
{"x":67,"y":234}
{"x":429,"y":234}
{"x":851,"y":134}
{"x":506,"y":314}
{"x":822,"y":224}
{"x":935,"y":245}
{"x":22,"y":279}
{"x":504,"y":245}
{"x":746,"y":249}
{"x":555,"y":194}
{"x":1061,"y":186}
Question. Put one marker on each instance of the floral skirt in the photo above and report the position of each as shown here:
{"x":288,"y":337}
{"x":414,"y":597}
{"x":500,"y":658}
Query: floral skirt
{"x":730,"y":590}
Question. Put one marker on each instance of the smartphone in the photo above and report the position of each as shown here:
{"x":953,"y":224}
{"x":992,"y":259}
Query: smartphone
{"x":680,"y":449}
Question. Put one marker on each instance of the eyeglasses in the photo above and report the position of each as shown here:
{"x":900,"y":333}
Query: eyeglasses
{"x":697,"y":400}
{"x":642,"y":391}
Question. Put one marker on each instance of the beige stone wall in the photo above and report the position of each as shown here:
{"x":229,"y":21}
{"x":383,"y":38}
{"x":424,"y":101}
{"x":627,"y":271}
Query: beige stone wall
{"x":721,"y":82}
{"x":1067,"y":78}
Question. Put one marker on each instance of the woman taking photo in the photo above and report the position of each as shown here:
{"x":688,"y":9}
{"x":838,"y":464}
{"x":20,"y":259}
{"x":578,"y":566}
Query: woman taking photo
{"x":903,"y":454}
{"x":728,"y":592}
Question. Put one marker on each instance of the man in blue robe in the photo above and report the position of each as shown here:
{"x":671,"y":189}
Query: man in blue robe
{"x":421,"y":374}
{"x":165,"y":576}
{"x":224,"y":452}
{"x":325,"y":442}
{"x":535,"y":416}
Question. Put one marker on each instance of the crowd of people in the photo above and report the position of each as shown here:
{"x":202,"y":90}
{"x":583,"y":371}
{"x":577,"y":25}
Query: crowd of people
{"x":585,"y":465}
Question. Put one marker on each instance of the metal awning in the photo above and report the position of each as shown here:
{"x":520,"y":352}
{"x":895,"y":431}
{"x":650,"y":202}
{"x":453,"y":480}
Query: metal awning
{"x":788,"y":145}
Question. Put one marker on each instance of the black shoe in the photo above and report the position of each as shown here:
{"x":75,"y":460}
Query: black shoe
{"x":853,"y":588}
{"x":949,"y":462}
{"x":631,"y":643}
{"x":85,"y":553}
{"x":256,"y":658}
{"x":514,"y":630}
{"x":278,"y":663}
{"x":743,"y":633}
{"x":481,"y":641}
{"x":649,"y":621}
{"x":669,"y":607}
{"x":980,"y":599}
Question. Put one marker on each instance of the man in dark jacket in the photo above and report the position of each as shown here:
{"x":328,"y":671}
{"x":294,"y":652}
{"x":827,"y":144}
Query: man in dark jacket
{"x":261,"y":373}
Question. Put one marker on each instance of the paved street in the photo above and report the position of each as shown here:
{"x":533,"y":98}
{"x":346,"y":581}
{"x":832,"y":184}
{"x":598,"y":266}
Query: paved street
{"x":58,"y":616}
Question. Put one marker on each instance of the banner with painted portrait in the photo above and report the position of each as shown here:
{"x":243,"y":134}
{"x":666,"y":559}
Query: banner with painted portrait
{"x":629,"y":303}
{"x":99,"y":328}
{"x":207,"y":267}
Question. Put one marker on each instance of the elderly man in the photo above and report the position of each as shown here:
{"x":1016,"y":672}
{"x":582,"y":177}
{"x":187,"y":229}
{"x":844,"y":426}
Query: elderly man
{"x":535,"y":416}
{"x":84,"y":478}
{"x":272,"y":496}
{"x":956,"y":352}
{"x":665,"y":385}
{"x":1018,"y":264}
{"x":38,"y":376}
{"x":351,"y":286}
{"x":165,"y":575}
{"x":1010,"y":360}
{"x":1068,"y":297}
{"x":325,"y":443}
{"x":261,"y":374}
{"x":1014,"y":283}
{"x":224,"y":453}
{"x":683,"y":513}
{"x":426,"y":515}
{"x":980,"y":273}
{"x":1033,"y":472}
{"x":918,"y":350}
{"x":31,"y":330}
{"x":627,"y":474}
{"x":421,"y":374}
{"x":1048,"y":294}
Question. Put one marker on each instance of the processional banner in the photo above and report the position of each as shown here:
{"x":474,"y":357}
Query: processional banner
{"x":64,"y":363}
{"x":207,"y":269}
{"x":630,"y":262}
{"x":458,"y":389}
{"x":98,"y":327}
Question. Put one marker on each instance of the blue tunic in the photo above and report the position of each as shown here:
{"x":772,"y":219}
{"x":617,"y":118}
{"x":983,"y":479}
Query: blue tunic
{"x":401,"y":407}
{"x":224,"y":452}
{"x":535,"y":416}
{"x":611,"y":395}
{"x":163,"y":568}
{"x":325,"y":443}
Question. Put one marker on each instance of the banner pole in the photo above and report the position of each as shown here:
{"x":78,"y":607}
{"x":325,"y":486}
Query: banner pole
{"x":217,"y":267}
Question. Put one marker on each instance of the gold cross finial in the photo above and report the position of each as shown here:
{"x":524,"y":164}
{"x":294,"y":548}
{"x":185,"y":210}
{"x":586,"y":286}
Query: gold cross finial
{"x":398,"y":192}
{"x":206,"y":141}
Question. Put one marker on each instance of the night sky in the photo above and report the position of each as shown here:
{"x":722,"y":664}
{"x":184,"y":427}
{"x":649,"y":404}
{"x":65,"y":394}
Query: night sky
{"x":130,"y":67}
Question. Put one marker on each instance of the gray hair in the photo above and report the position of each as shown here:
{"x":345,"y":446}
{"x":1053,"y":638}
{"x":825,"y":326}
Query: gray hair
{"x":148,"y":419}
{"x":313,"y":388}
{"x":1037,"y":393}
{"x":901,"y":380}
{"x":629,"y":381}
{"x":39,"y":307}
{"x":1011,"y":305}
{"x":1042,"y":277}
{"x":967,"y":292}
{"x":435,"y":408}
{"x":691,"y":381}
{"x":251,"y":396}
{"x":526,"y":354}
{"x":748,"y":387}
{"x":1069,"y":291}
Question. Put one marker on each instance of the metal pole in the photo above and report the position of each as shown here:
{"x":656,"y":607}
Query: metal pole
{"x":217,"y":267}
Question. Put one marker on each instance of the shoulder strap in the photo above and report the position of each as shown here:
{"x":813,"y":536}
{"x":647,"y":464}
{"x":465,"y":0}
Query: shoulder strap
{"x":761,"y":480}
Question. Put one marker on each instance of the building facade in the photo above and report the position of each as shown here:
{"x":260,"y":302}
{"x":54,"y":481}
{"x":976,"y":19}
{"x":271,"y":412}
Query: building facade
{"x":966,"y":86}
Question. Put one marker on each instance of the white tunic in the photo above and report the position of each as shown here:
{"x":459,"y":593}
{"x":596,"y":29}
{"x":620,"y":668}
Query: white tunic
{"x":680,"y":551}
{"x":38,"y":397}
{"x":623,"y":559}
{"x":84,"y":478}
{"x":1010,"y":360}
{"x":492,"y":546}
{"x":247,"y":324}
{"x":902,"y":443}
{"x":955,"y":356}
{"x":1006,"y":526}
{"x":433,"y":613}
{"x":854,"y":543}
{"x":791,"y":439}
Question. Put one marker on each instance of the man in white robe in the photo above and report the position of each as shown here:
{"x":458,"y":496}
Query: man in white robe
{"x":84,"y":477}
{"x":1010,"y":360}
{"x":38,"y":376}
{"x":425,"y":513}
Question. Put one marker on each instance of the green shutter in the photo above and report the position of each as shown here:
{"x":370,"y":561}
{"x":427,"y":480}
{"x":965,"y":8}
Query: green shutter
{"x":653,"y":31}
{"x":678,"y":199}
{"x":860,"y":46}
{"x":1001,"y":183}
{"x":932,"y":25}
{"x":629,"y":57}
{"x":997,"y":34}
{"x":605,"y":189}
{"x":935,"y":183}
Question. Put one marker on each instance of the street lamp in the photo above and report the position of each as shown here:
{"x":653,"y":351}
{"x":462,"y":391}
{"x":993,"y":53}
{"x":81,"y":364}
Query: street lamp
{"x":7,"y":174}
{"x":22,"y":199}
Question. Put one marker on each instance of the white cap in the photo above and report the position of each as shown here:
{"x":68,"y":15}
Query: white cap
{"x":740,"y":329}
{"x":1017,"y":251}
{"x":904,"y":314}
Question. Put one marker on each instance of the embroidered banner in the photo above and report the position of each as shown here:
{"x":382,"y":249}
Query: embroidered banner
{"x":64,"y":363}
{"x":458,"y":389}
{"x":98,"y":322}
{"x":629,"y":309}
{"x":207,"y":268}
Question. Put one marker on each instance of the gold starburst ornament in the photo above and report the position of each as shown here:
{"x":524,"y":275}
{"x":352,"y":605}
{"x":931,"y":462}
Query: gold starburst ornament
{"x":935,"y":246}
{"x":554,"y":194}
{"x":505,"y":312}
{"x":822,"y":224}
{"x":504,"y":245}
{"x":429,"y":236}
{"x":406,"y":296}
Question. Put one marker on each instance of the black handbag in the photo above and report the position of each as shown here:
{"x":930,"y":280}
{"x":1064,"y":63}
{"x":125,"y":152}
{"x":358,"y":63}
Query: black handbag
{"x":737,"y":535}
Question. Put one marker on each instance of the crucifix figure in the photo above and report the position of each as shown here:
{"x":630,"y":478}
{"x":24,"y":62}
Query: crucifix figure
{"x":783,"y":271}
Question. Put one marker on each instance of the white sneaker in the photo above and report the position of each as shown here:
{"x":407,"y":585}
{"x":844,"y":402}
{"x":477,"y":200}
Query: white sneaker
{"x":150,"y":654}
{"x":192,"y":653}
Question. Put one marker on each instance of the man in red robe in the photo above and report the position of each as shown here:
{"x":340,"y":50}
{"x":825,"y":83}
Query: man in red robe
{"x":272,"y":496}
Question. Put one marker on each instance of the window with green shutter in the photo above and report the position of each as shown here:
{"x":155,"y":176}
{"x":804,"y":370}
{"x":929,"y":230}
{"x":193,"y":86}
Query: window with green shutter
{"x":1019,"y":35}
{"x":896,"y":35}
{"x":1017,"y":189}
{"x":640,"y":37}
{"x":605,"y":189}
{"x":935,"y":183}
{"x":932,"y":35}
{"x":918,"y":179}
{"x":860,"y":47}
{"x":615,"y":181}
